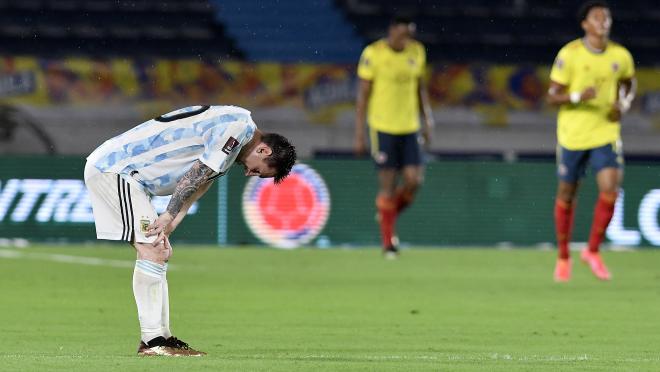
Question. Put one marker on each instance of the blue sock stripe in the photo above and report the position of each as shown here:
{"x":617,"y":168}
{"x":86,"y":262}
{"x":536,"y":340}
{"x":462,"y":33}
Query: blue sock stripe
{"x":152,"y":265}
{"x":149,"y":267}
{"x":149,"y":272}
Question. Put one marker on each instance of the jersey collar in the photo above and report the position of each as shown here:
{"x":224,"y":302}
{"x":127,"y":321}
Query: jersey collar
{"x":592,"y":49}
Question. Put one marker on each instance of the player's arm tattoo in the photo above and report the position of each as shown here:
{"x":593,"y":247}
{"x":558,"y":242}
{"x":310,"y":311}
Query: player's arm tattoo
{"x":191,"y":181}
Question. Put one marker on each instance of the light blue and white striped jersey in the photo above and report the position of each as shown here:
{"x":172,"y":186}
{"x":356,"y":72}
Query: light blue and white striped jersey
{"x":158,"y":152}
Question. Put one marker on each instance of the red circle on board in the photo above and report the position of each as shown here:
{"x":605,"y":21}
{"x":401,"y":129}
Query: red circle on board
{"x":289,"y":205}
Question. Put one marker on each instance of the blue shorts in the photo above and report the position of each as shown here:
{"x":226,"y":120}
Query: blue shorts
{"x":395,"y":151}
{"x":572,"y":165}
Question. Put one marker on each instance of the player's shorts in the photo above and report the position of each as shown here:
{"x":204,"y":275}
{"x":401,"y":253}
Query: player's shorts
{"x":122,"y":210}
{"x":395,"y":151}
{"x":572,"y":164}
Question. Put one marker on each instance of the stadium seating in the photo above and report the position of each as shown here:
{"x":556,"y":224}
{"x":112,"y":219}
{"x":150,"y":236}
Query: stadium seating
{"x":497,"y":31}
{"x":290,"y":30}
{"x":111,"y":27}
{"x":505,"y":31}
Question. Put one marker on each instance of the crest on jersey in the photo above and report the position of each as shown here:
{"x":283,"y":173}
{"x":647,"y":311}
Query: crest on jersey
{"x":559,"y":63}
{"x":290,"y":214}
{"x":615,"y":67}
{"x":230,"y":145}
{"x":144,"y":225}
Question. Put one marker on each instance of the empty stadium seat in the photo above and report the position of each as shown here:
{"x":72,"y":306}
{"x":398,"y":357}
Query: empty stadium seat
{"x":169,"y":28}
{"x":505,"y":31}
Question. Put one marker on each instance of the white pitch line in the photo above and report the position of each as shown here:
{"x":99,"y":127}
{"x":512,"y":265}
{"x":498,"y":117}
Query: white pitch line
{"x":81,"y":260}
{"x":453,"y":358}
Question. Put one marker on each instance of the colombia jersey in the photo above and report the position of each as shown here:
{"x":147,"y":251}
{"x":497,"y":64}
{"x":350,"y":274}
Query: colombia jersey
{"x":585,"y":125}
{"x":394,"y":101}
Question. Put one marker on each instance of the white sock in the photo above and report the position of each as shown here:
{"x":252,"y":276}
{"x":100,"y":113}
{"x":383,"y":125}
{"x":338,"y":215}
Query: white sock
{"x":148,"y":292}
{"x":165,"y":321}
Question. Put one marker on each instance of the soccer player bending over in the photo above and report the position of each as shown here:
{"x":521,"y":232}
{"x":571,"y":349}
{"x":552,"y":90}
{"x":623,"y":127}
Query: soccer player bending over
{"x":592,"y":82}
{"x":178,"y":154}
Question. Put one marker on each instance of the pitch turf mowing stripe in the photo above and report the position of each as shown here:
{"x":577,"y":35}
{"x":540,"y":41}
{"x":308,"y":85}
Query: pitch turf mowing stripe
{"x":440,"y":357}
{"x":81,"y":260}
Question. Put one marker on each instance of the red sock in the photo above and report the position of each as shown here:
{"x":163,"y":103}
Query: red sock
{"x":403,"y":199}
{"x":602,"y":215}
{"x":387,"y":210}
{"x":564,"y":214}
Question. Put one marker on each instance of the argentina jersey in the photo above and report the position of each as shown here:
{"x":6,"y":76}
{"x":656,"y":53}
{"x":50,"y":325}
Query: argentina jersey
{"x":157,"y":153}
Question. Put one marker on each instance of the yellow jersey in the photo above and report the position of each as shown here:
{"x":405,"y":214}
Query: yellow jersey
{"x":585,"y":125}
{"x":393,"y":106}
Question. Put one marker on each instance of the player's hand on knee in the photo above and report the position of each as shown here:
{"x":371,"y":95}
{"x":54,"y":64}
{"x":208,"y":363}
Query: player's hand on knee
{"x":158,"y":227}
{"x":150,"y":252}
{"x":160,"y":240}
{"x":161,"y":251}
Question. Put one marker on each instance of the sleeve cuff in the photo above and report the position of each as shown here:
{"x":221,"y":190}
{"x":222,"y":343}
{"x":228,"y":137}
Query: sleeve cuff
{"x":216,"y":169}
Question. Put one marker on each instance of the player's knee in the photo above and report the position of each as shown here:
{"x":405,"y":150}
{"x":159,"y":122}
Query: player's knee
{"x":610,"y":191}
{"x":413,"y":184}
{"x":566,"y":195}
{"x":609,"y":186}
{"x":158,"y":254}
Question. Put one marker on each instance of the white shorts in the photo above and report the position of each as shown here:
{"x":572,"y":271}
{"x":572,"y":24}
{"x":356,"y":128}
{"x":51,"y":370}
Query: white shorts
{"x":121,"y":211}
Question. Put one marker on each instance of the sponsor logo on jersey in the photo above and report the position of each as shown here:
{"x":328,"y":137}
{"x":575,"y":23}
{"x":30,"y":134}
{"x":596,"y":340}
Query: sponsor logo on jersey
{"x":290,"y":214}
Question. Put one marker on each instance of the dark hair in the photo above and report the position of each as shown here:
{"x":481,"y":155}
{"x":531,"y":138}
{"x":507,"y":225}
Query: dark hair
{"x":583,"y":12}
{"x":401,"y":20}
{"x":283,"y":156}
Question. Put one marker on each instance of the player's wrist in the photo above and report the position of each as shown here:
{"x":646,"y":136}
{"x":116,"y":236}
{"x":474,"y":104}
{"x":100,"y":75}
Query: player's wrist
{"x":624,"y":107}
{"x":167,"y":216}
{"x":575,"y":97}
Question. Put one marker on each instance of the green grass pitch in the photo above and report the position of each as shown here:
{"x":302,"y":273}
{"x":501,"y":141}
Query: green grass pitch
{"x":71,"y":308}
